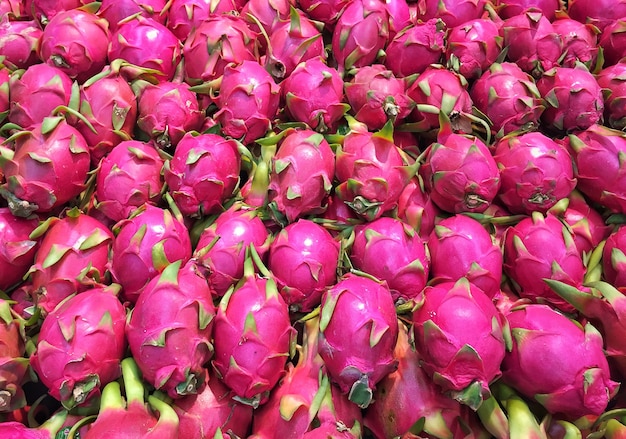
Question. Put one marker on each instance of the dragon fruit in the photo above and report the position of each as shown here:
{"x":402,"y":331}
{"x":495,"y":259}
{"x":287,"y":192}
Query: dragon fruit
{"x":580,"y":42}
{"x":600,"y":13}
{"x":613,"y":41}
{"x":460,"y":246}
{"x":80,"y":346}
{"x":376,"y":96}
{"x":13,"y":365}
{"x":537,"y":248}
{"x":166,"y":111}
{"x":508,"y":96}
{"x":535,"y":172}
{"x":613,"y":257}
{"x":510,"y":8}
{"x":12,"y":9}
{"x":371,"y":171}
{"x":473,"y":47}
{"x":203,"y":173}
{"x":358,"y":332}
{"x":313,"y":94}
{"x":145,"y":244}
{"x":452,"y":12}
{"x":392,"y":251}
{"x":222,"y":245}
{"x":399,"y":16}
{"x":462,"y":338}
{"x":301,"y":175}
{"x":558,"y":363}
{"x":76,"y":41}
{"x":114,"y":11}
{"x":253,"y":336}
{"x":247,"y":102}
{"x":19,"y":43}
{"x":416,"y":208}
{"x":128,"y":177}
{"x":415,"y":47}
{"x":267,"y":13}
{"x":183,"y":16}
{"x":18,"y":250}
{"x":148,"y":44}
{"x":360,"y":33}
{"x":324,"y":11}
{"x":612,"y":80}
{"x":49,"y":429}
{"x":172,"y":345}
{"x":45,"y":10}
{"x":573,"y":99}
{"x":47,"y":167}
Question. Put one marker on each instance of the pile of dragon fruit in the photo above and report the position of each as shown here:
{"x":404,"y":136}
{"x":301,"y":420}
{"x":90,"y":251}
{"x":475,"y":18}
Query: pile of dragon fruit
{"x":313,"y":219}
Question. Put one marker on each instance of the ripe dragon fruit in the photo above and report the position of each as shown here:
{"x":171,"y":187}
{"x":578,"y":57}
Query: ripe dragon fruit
{"x":301,"y":175}
{"x":580,"y":42}
{"x":76,"y":41}
{"x":128,"y":177}
{"x":183,"y":16}
{"x":172,"y":345}
{"x":358,"y":332}
{"x":416,"y":208}
{"x":399,"y":16}
{"x":19,"y":43}
{"x":80,"y":346}
{"x":203,"y":173}
{"x":473,"y":46}
{"x":324,"y":11}
{"x":49,"y":429}
{"x":268,"y":13}
{"x":253,"y":336}
{"x":12,"y":9}
{"x":44,"y":10}
{"x":452,"y":12}
{"x":248,"y":101}
{"x":392,"y":251}
{"x":114,"y":11}
{"x":558,"y":363}
{"x":535,"y":172}
{"x":460,"y":246}
{"x":18,"y":250}
{"x":612,"y":80}
{"x":613,"y":258}
{"x":600,"y":13}
{"x":510,"y":8}
{"x":612,"y":42}
{"x":13,"y":364}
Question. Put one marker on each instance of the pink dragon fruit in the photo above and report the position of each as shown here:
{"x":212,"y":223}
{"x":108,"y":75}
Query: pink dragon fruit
{"x":358,"y":332}
{"x":222,"y":246}
{"x":508,"y":96}
{"x":511,"y":8}
{"x":415,"y":47}
{"x":532,"y":42}
{"x":535,"y":172}
{"x":460,"y":246}
{"x":132,"y":416}
{"x":5,"y":101}
{"x":613,"y":259}
{"x":452,"y":12}
{"x":360,"y":33}
{"x":216,"y":42}
{"x":115,"y":11}
{"x":392,"y":251}
{"x":19,"y":43}
{"x":127,"y":178}
{"x":17,"y":253}
{"x":613,"y":42}
{"x":248,"y":101}
{"x":303,"y":258}
{"x":313,"y":94}
{"x":268,"y":13}
{"x":76,"y":41}
{"x":473,"y":47}
{"x":213,"y":407}
{"x":253,"y":335}
{"x":172,"y":345}
{"x":580,"y":42}
{"x":13,"y":364}
{"x":376,"y":96}
{"x":80,"y":346}
{"x":371,"y":171}
{"x":324,"y":11}
{"x":558,"y":363}
{"x":183,"y":16}
{"x":612,"y":80}
{"x":45,"y":10}
{"x":203,"y":173}
{"x":49,"y":429}
{"x":168,"y":110}
{"x":600,"y":13}
{"x":148,"y":44}
{"x":301,"y":175}
{"x":13,"y":9}
{"x":339,"y":215}
{"x":36,"y":93}
{"x":573,"y":99}
{"x":537,"y":248}
{"x":416,"y":208}
{"x":462,"y":338}
{"x":145,"y":244}
{"x":399,"y":16}
{"x":46,"y":168}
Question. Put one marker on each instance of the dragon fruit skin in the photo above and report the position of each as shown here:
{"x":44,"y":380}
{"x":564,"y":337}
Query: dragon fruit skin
{"x":18,"y":251}
{"x":558,"y":363}
{"x":537,"y":248}
{"x":509,"y":97}
{"x":460,"y":246}
{"x":76,"y":41}
{"x":172,"y":345}
{"x":580,"y":42}
{"x":399,"y":16}
{"x":416,"y":208}
{"x":144,"y":245}
{"x":314,"y":94}
{"x":452,"y":12}
{"x":203,"y":173}
{"x":415,"y":47}
{"x":613,"y":257}
{"x":510,"y":8}
{"x":128,"y":177}
{"x":612,"y":42}
{"x":115,"y":11}
{"x":535,"y":172}
{"x":358,"y":332}
{"x":19,"y":43}
{"x":168,"y":110}
{"x":324,"y":11}
{"x":183,"y":16}
{"x":49,"y":429}
{"x":474,"y":45}
{"x":302,"y":173}
{"x":599,"y":13}
{"x":612,"y":80}
{"x":45,"y":10}
{"x":65,"y":359}
{"x":392,"y":251}
{"x":269,"y":13}
{"x":13,"y":364}
{"x":13,"y":9}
